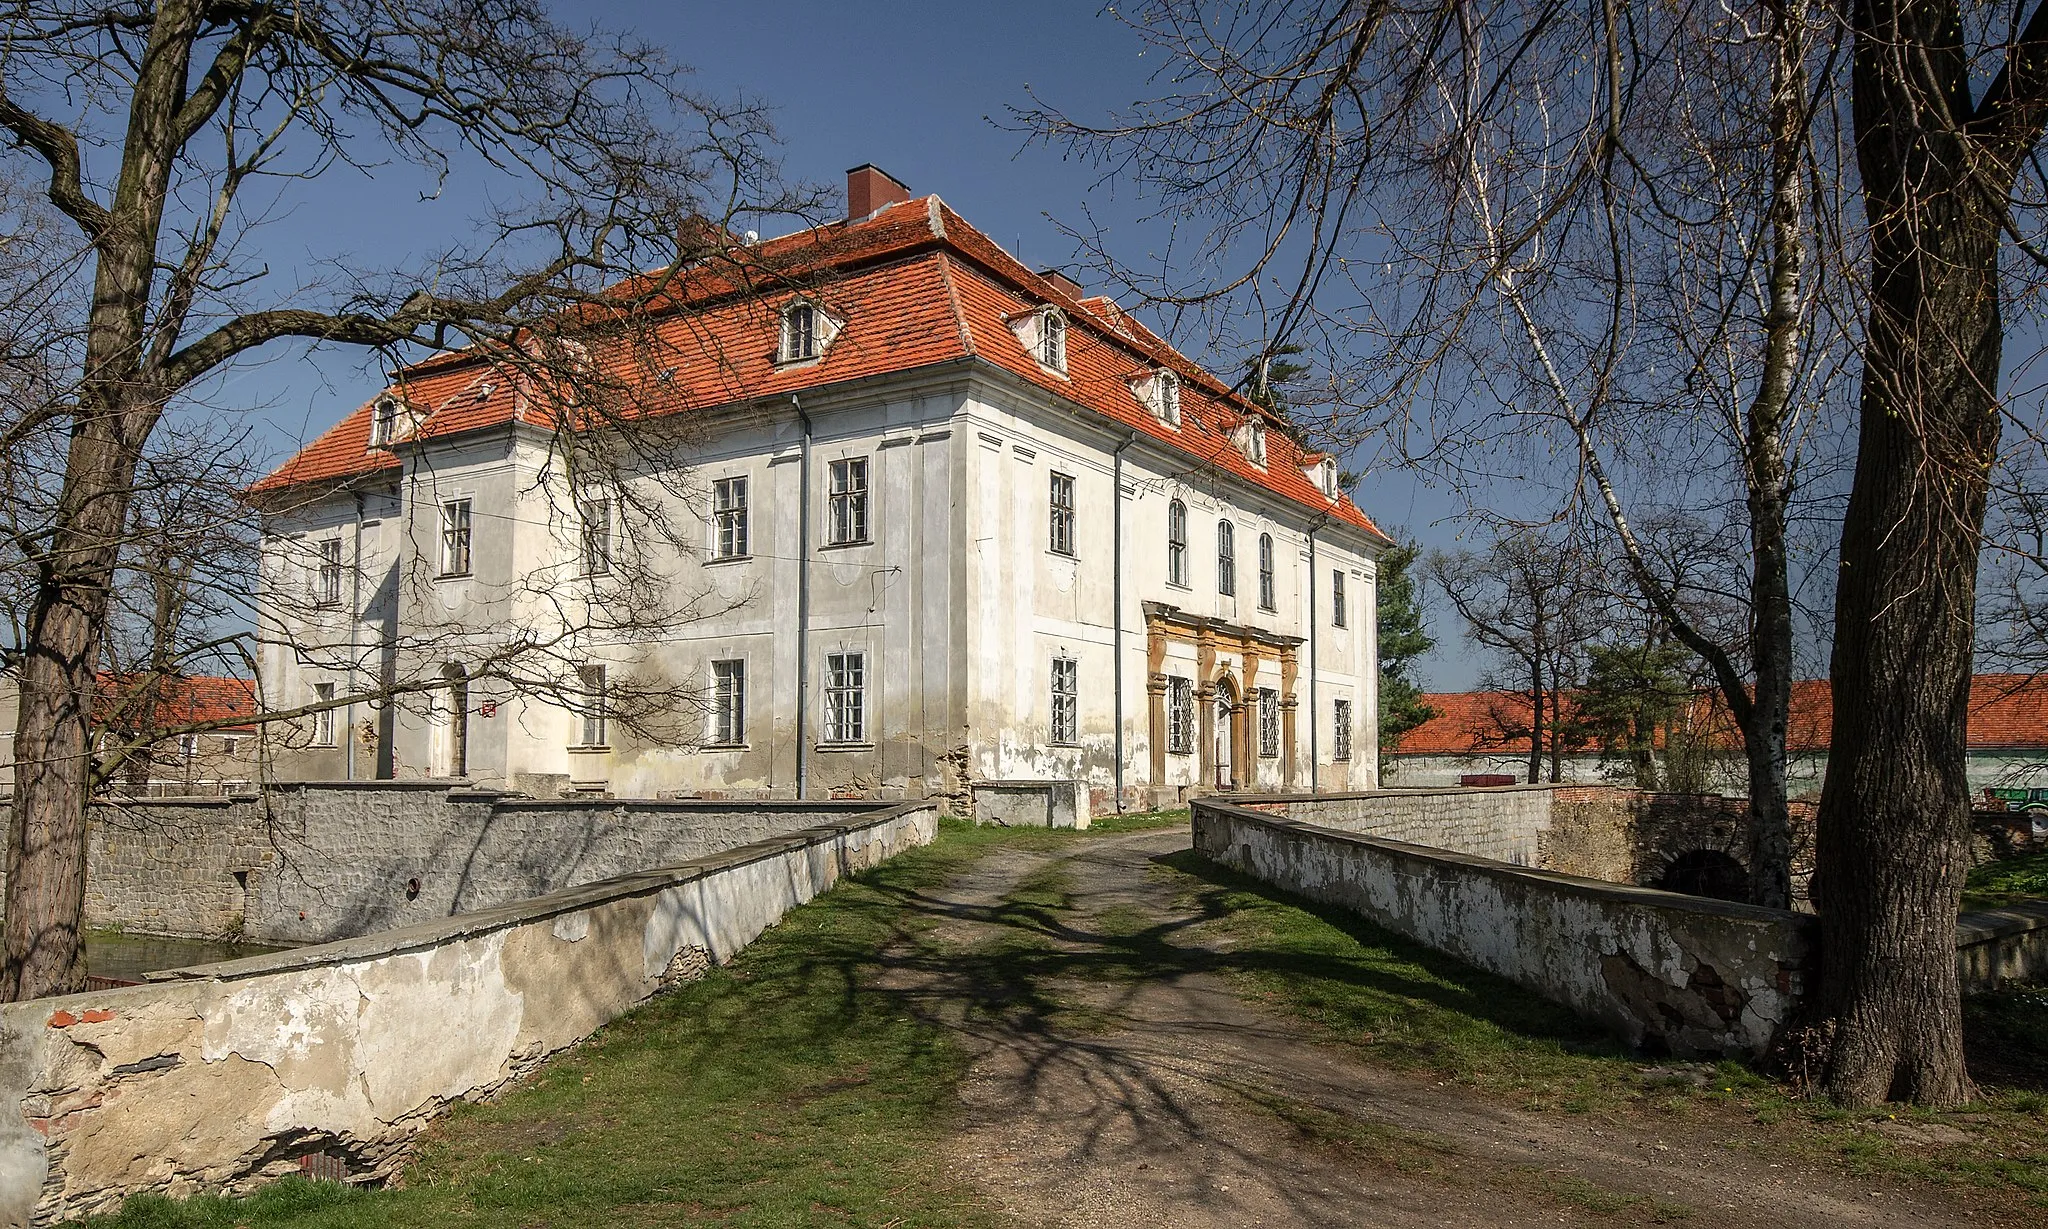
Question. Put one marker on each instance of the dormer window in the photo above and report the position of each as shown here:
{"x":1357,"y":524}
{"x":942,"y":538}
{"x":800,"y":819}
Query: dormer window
{"x":799,"y":333}
{"x":806,"y":330}
{"x":1052,"y":342}
{"x":1324,"y":474}
{"x":383,"y":421}
{"x":1251,"y":441}
{"x":1159,"y":391}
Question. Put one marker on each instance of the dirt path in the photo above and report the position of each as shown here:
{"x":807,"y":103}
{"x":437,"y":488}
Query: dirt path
{"x":1099,"y":1098}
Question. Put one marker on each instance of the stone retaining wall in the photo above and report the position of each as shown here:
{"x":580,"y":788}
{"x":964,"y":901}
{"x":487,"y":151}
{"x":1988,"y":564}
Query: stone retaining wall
{"x":335,"y":1056}
{"x":1670,"y":973}
{"x":315,"y":862}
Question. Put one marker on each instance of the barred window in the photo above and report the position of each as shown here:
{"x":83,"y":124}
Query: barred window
{"x":596,"y":515}
{"x":1269,"y":723}
{"x":455,"y":528}
{"x":845,"y":697}
{"x":1062,"y":536}
{"x":1177,"y":543}
{"x":596,"y":705}
{"x":327,"y":590}
{"x":1066,"y":694}
{"x":1337,"y":598}
{"x":849,"y":500}
{"x":1226,"y":558}
{"x":729,"y":702}
{"x":1266,"y":572}
{"x":1180,"y":716}
{"x":1342,"y":749}
{"x":729,"y":516}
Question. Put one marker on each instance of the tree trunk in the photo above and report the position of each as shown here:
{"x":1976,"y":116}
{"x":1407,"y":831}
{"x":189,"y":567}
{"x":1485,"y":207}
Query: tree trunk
{"x":1894,"y":814}
{"x":1535,"y":721}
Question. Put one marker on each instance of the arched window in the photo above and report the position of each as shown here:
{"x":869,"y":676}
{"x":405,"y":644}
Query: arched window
{"x":1226,"y":558}
{"x":1052,"y":346}
{"x":1266,"y":572}
{"x":1169,"y":398}
{"x":799,"y":332}
{"x":1177,"y":543}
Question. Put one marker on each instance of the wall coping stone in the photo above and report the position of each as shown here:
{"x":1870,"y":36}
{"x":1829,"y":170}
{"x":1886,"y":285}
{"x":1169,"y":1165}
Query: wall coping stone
{"x":1984,"y":925}
{"x":421,"y":935}
{"x":1576,"y":884}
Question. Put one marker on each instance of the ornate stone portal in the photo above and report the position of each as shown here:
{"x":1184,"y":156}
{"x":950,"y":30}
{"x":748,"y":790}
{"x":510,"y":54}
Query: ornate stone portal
{"x":1233,"y":663}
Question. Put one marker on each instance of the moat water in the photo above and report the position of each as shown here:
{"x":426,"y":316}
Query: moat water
{"x":125,"y":957}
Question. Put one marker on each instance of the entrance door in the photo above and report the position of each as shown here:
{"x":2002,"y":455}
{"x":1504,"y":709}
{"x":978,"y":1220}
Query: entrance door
{"x":1226,"y":734}
{"x":448,"y":743}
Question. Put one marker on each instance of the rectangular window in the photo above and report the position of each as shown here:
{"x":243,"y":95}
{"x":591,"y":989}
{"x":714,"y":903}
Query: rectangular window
{"x":327,"y":590}
{"x":800,"y":333}
{"x":1337,"y":598}
{"x":597,"y":536}
{"x":1062,"y":540}
{"x":1269,"y":723}
{"x":729,"y":702}
{"x":1177,"y":543}
{"x":846,"y":697}
{"x":596,"y":705}
{"x":1066,"y":700}
{"x":455,"y":538}
{"x":188,"y":748}
{"x":1342,"y":750}
{"x":849,"y":501}
{"x":323,"y":721}
{"x":1226,"y":559}
{"x":1180,"y":716}
{"x":729,"y":516}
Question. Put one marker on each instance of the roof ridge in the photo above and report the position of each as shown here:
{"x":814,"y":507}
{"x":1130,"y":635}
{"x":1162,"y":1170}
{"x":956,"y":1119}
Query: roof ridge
{"x":953,"y":303}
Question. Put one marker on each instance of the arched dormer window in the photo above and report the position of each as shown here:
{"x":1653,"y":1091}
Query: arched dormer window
{"x":383,"y":421}
{"x":1226,"y":558}
{"x":1052,"y":340}
{"x":1251,"y":441}
{"x":807,"y":330}
{"x":1177,"y":543}
{"x":1159,"y":391}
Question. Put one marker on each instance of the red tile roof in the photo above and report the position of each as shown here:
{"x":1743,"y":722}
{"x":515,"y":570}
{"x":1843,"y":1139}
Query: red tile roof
{"x":2007,"y":712}
{"x":915,"y":285}
{"x":159,"y":703}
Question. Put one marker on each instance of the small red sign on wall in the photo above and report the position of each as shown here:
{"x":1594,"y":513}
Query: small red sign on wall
{"x":489,"y":708}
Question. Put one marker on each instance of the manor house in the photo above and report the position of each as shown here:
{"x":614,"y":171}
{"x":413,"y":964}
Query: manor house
{"x":955,"y":521}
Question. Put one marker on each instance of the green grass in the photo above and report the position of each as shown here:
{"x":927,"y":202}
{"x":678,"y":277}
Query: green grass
{"x":782,"y":1089}
{"x":1404,"y":1006}
{"x":2007,"y":881}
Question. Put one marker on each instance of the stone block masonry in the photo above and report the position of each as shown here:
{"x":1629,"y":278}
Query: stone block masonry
{"x":311,"y":863}
{"x":333,"y":1057}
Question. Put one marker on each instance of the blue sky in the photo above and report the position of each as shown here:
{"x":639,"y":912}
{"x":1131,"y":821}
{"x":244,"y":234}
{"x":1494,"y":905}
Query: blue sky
{"x":919,"y":89}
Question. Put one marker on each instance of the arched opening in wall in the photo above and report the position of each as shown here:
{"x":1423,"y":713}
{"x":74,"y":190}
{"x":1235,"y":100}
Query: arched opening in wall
{"x":1226,"y":733}
{"x":1706,"y":872}
{"x":450,"y":742}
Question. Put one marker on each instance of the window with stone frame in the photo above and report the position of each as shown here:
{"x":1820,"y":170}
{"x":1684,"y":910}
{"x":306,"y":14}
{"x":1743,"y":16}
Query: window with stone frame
{"x":845,"y":697}
{"x":327,"y":583}
{"x":1066,"y":701}
{"x":729,"y":517}
{"x":1177,"y":543}
{"x":1269,"y":723}
{"x":595,"y":706}
{"x":1180,"y":716}
{"x":323,"y":721}
{"x":1342,"y":747}
{"x":596,"y":545}
{"x":728,"y":703}
{"x":1226,"y":558}
{"x":849,"y":500}
{"x":1266,"y":601}
{"x":1337,"y":598}
{"x":455,"y":537}
{"x":1061,"y":532}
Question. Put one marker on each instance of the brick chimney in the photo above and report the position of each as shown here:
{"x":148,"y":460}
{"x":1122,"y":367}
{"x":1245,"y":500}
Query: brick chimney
{"x":1059,"y":278}
{"x":868,"y":188}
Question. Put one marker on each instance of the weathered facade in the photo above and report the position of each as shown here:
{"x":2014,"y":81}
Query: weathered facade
{"x":1040,"y":545}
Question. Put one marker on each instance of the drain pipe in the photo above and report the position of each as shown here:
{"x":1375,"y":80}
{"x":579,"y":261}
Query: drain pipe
{"x":355,"y":629}
{"x":1314,"y":713}
{"x":1116,"y":601}
{"x":803,"y":601}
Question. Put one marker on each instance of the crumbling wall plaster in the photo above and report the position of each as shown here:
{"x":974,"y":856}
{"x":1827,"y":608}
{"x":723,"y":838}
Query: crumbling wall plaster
{"x":225,"y":1075}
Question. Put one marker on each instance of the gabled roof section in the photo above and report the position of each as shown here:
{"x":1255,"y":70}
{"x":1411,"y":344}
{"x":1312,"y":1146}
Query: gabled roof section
{"x":915,"y":284}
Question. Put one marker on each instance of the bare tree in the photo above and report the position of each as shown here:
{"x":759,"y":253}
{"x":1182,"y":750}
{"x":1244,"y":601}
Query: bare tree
{"x":1530,"y":598}
{"x":1561,"y":135}
{"x":166,"y":133}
